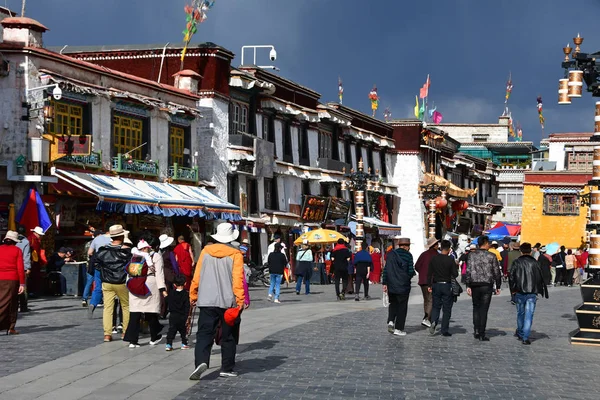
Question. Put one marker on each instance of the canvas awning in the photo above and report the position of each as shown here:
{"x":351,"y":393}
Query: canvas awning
{"x":136,"y":196}
{"x":452,"y":189}
{"x":384,"y":228}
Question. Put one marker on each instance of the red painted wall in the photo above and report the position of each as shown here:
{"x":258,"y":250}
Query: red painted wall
{"x":407,"y":138}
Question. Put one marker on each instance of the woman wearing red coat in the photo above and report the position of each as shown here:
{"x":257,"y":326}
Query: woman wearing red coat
{"x":12,"y":281}
{"x":375,"y":275}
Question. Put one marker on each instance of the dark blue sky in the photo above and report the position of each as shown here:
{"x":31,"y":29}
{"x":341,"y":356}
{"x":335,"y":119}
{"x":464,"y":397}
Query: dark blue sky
{"x":467,"y":46}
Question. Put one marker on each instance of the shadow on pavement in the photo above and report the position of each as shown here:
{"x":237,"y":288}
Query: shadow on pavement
{"x":494,"y":332}
{"x":44,"y":328}
{"x":262,"y":345}
{"x":254,"y":365}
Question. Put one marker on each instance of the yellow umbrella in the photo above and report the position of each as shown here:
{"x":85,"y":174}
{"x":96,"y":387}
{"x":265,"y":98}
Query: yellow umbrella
{"x":12,"y":226}
{"x":322,"y":236}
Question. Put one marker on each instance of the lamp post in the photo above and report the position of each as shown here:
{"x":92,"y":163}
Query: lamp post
{"x":360,"y":182}
{"x":431,"y":192}
{"x":580,"y":68}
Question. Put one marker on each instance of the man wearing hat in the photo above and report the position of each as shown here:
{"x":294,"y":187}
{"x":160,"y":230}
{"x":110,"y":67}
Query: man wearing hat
{"x":38,"y":260}
{"x":218,"y":285}
{"x":397,"y":274}
{"x":100,"y":240}
{"x":54,"y":266}
{"x":111,"y":260}
{"x":421,"y":267}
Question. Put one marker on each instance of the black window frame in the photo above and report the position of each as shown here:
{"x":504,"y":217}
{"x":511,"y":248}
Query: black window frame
{"x":303,"y":148}
{"x":382,"y":163}
{"x":348,"y":151}
{"x":335,"y":144}
{"x":252,"y":191}
{"x":233,"y":189}
{"x":288,"y":152}
{"x":270,"y":193}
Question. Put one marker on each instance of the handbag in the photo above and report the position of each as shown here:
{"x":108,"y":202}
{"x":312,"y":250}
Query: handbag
{"x":386,"y":299}
{"x":456,"y":288}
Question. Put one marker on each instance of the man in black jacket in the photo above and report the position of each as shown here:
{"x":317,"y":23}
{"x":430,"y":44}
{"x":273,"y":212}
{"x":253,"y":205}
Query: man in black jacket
{"x":526,"y":282}
{"x":442,"y":270}
{"x":111,"y":261}
{"x":483,"y":272}
{"x":340,"y":257}
{"x":399,"y":270}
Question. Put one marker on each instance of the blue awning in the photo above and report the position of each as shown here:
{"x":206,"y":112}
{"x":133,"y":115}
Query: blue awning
{"x":136,"y":196}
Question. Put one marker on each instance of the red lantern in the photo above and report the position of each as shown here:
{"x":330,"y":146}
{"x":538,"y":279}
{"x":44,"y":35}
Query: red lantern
{"x":460,"y":205}
{"x":440,"y":202}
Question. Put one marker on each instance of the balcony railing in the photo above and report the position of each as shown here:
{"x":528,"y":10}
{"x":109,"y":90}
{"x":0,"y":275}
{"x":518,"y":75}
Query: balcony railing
{"x":242,"y":139}
{"x":129,"y":166}
{"x":92,"y":160}
{"x":183,"y":173}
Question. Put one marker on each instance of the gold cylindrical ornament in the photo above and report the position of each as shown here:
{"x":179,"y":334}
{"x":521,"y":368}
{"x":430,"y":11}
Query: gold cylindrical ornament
{"x":595,"y":198}
{"x":360,"y":213}
{"x":595,"y":241}
{"x":359,"y":230}
{"x":595,"y":213}
{"x":596,"y":169}
{"x":575,"y":83}
{"x":563,"y":91}
{"x":360,"y":197}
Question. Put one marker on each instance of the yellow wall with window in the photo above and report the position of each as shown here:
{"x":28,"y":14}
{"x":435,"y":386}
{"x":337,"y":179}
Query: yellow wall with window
{"x":536,"y":227}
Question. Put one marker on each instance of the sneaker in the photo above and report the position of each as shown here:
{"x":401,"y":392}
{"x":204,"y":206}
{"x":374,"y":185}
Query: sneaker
{"x":120,"y":328}
{"x":276,"y":301}
{"x":84,"y":303}
{"x":527,"y":342}
{"x":432,"y":329}
{"x":114,"y":330}
{"x":367,"y":297}
{"x":133,"y":345}
{"x":343,"y":296}
{"x":270,"y":297}
{"x":426,"y":323}
{"x":228,"y":374}
{"x":168,"y":347}
{"x":398,"y":332}
{"x":200,"y":369}
{"x":107,"y":338}
{"x":446,"y":334}
{"x":90,"y":312}
{"x":185,"y":347}
{"x":297,"y":293}
{"x":390,"y":327}
{"x":157,"y":341}
{"x":356,"y":298}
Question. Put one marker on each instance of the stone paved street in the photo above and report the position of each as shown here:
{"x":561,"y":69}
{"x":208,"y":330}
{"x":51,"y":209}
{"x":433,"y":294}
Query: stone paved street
{"x":308,"y":347}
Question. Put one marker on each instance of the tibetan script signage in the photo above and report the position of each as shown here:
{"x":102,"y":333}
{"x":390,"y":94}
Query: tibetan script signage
{"x":315,"y":209}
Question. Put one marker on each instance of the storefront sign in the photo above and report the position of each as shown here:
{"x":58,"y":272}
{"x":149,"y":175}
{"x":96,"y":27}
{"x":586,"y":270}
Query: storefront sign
{"x":244,"y":205}
{"x":339,"y":209}
{"x":315,"y":209}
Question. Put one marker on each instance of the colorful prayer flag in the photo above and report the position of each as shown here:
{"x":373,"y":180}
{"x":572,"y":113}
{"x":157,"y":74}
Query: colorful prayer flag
{"x":374,"y":99}
{"x":196,"y":14}
{"x":540,"y":111}
{"x":422,"y":110}
{"x":387,"y":114}
{"x":509,"y":87}
{"x":519,"y":132}
{"x":424,"y":92}
{"x":416,"y":106}
{"x":437,"y":117}
{"x":340,"y":89}
{"x":33,"y":212}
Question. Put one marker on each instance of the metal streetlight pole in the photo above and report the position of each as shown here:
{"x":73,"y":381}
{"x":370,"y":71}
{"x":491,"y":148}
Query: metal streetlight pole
{"x":430,"y":192}
{"x":360,"y":182}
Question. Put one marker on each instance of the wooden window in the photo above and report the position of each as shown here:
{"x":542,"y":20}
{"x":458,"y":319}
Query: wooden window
{"x":252,"y":190}
{"x":271,"y":200}
{"x":383,"y":171}
{"x":580,"y":161}
{"x":238,"y":117}
{"x":68,"y":119}
{"x":176,"y":145}
{"x":324,"y":145}
{"x":370,"y":162}
{"x":560,"y":204}
{"x":287,"y":142}
{"x":303,"y":150}
{"x":127,"y":135}
{"x":244,"y":119}
{"x":359,"y":155}
{"x":233,"y":189}
{"x":348,"y":152}
{"x":265,"y":127}
{"x":306,"y":187}
{"x":335,"y":144}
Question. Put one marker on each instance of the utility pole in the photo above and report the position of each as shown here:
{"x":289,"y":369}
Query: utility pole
{"x":23,"y":3}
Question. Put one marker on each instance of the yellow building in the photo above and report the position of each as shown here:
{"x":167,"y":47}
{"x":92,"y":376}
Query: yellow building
{"x":551,"y":210}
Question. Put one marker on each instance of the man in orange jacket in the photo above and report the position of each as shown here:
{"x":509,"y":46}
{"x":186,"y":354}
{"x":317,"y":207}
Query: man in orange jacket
{"x":218,"y":285}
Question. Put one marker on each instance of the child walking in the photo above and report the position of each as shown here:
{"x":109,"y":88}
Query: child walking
{"x":179,"y":308}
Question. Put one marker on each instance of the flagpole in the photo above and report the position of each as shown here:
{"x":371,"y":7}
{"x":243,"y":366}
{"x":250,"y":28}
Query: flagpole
{"x":426,"y":98}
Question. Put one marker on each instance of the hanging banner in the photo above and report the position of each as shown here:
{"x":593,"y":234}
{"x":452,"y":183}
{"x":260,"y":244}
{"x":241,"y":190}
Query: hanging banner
{"x":315,"y":209}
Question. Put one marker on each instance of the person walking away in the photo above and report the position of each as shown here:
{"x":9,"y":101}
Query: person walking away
{"x":545,"y":262}
{"x":277,"y":264}
{"x":304,"y":256}
{"x":271,"y":248}
{"x":397,"y":274}
{"x":535,"y":251}
{"x":99,"y":241}
{"x":578,"y":274}
{"x":462,"y":262}
{"x":170,"y":269}
{"x":38,"y":260}
{"x":179,"y":308}
{"x":340,"y":257}
{"x":558,"y":260}
{"x":421,"y":267}
{"x":185,"y":259}
{"x":146,"y":286}
{"x":504,"y":262}
{"x":526,"y":282}
{"x":375,"y":274}
{"x":218,"y":285}
{"x":571,"y":267}
{"x":111,"y":261}
{"x":440,"y":273}
{"x":363,"y":264}
{"x":26,"y":249}
{"x":89,"y":280}
{"x":53,"y":269}
{"x":483,"y":271}
{"x":12,"y":281}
